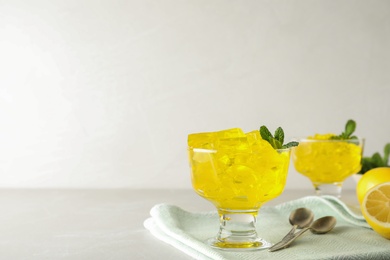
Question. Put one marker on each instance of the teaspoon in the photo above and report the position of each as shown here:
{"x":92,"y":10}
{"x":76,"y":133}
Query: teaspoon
{"x":299,"y":218}
{"x":320,"y":226}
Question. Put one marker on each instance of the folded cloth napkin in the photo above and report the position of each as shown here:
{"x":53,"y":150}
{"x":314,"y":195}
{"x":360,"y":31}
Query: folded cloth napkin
{"x":350,"y":239}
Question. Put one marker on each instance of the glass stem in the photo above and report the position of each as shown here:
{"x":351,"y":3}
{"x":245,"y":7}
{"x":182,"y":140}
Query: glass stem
{"x":238,"y":230}
{"x":237,"y":226}
{"x":333,"y":189}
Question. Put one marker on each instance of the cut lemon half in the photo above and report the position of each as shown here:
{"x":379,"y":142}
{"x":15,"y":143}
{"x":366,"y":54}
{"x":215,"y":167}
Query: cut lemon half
{"x":376,"y":208}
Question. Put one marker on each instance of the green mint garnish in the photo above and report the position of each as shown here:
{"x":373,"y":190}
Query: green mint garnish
{"x":386,"y":154}
{"x":376,"y":160}
{"x":347,"y":134}
{"x":277,"y":139}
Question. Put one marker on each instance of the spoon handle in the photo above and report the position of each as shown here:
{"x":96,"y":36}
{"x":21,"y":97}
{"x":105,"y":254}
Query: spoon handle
{"x":287,"y":240}
{"x":290,"y":233}
{"x":287,"y":237}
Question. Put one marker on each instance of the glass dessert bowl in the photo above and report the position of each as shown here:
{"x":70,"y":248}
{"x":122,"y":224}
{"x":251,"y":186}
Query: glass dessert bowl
{"x":238,"y":173}
{"x":328,"y":162}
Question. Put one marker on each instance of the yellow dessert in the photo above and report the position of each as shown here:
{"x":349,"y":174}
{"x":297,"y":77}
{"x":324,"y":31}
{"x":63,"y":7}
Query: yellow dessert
{"x":327,"y":160}
{"x":236,"y":170}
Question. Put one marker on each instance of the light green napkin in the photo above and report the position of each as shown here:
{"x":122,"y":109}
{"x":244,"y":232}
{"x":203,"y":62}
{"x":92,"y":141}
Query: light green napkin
{"x":350,"y":239}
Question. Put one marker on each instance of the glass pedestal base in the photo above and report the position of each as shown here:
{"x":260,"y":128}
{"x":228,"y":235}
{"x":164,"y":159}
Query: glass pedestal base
{"x":333,"y":189}
{"x":238,"y":232}
{"x":257,"y":244}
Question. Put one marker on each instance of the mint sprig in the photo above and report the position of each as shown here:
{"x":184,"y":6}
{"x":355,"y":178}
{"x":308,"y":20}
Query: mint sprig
{"x":376,"y":160}
{"x":277,"y":139}
{"x":350,"y":127}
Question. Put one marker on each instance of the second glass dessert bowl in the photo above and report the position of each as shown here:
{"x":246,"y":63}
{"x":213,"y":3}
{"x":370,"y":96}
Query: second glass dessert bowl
{"x":328,"y":162}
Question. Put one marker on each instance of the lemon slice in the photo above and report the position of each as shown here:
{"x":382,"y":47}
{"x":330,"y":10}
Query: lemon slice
{"x":376,"y":209}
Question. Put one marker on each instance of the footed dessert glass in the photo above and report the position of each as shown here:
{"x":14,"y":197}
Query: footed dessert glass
{"x":238,"y":173}
{"x":327,"y":163}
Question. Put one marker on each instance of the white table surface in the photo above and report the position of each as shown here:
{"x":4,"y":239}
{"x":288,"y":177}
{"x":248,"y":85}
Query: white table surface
{"x":96,"y":224}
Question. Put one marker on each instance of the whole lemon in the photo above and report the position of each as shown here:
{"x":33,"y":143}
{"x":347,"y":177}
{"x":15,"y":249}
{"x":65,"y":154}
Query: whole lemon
{"x":370,"y":179}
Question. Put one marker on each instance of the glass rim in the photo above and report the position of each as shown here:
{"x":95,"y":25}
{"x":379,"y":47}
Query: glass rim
{"x":351,"y":140}
{"x":202,"y":150}
{"x":205,"y":150}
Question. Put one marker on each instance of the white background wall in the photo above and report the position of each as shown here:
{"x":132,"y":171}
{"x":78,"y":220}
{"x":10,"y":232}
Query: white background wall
{"x":103,"y":94}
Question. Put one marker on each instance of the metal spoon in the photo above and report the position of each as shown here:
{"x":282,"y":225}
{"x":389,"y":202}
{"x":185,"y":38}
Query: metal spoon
{"x":299,"y":218}
{"x":320,"y":226}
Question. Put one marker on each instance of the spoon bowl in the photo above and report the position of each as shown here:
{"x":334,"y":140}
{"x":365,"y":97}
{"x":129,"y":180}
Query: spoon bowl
{"x":301,"y":217}
{"x":323,"y":225}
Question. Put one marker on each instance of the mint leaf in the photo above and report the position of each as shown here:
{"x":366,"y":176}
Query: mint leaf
{"x":279,"y":134}
{"x":265,"y":133}
{"x":277,"y":141}
{"x":347,"y":134}
{"x":366,"y":165}
{"x":350,"y":127}
{"x":376,"y":160}
{"x":290,"y":144}
{"x":386,"y":154}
